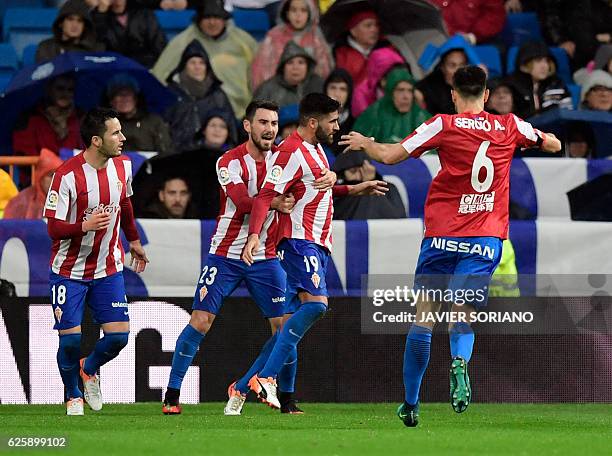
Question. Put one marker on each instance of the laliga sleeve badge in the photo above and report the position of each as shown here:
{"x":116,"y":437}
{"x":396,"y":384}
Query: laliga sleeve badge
{"x":275,"y":174}
{"x":52,"y":200}
{"x":316,"y":279}
{"x":203,"y":293}
{"x":224,"y":176}
{"x":58,"y":314}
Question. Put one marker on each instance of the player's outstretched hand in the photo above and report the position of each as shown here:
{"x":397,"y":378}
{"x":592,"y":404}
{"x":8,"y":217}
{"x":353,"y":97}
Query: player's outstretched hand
{"x":374,"y":187}
{"x":326,"y":181}
{"x":139,"y":257}
{"x":283,"y":203}
{"x":248,"y":254}
{"x":98,"y":220}
{"x":354,"y":141}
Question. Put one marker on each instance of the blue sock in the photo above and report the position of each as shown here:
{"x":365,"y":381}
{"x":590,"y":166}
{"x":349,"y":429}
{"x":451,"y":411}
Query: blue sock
{"x":68,"y":356}
{"x":106,"y":349}
{"x":242,"y":385}
{"x":186,"y":347}
{"x":293,"y":331}
{"x":286,"y":376}
{"x":416,"y":358}
{"x":461,"y":341}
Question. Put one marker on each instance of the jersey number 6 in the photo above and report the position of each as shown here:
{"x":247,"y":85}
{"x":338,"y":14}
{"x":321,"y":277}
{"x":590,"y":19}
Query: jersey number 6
{"x":482,"y":161}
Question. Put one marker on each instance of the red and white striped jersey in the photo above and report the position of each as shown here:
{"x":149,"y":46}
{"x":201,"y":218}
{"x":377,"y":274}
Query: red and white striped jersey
{"x":77,"y":190}
{"x":295,"y":168}
{"x":237,"y":168}
{"x":469,"y":196}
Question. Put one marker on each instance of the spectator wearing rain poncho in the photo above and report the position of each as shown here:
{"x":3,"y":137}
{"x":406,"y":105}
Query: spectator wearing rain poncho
{"x":396,"y":114}
{"x":299,"y":22}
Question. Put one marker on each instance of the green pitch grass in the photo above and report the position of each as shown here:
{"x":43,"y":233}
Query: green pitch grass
{"x":326,"y":429}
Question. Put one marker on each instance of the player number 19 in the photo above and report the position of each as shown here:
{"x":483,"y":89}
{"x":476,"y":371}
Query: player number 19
{"x":482,"y":161}
{"x":311,"y":260}
{"x":58,"y":295}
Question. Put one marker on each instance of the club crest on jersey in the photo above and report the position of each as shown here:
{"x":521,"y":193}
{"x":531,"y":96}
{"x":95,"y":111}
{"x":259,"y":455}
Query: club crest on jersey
{"x":52,"y":200}
{"x":203,"y":293}
{"x":316,"y":279}
{"x":275,"y":174}
{"x":119,"y":186}
{"x":58,"y":314}
{"x":224,"y":176}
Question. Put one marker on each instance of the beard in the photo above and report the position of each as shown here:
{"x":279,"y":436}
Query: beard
{"x":258,"y":141}
{"x":323,"y":137}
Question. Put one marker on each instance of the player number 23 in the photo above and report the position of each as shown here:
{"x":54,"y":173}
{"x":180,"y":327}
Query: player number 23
{"x":212,"y":273}
{"x":482,"y":161}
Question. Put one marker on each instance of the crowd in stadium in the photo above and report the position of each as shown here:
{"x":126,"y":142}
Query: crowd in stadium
{"x":215,"y":69}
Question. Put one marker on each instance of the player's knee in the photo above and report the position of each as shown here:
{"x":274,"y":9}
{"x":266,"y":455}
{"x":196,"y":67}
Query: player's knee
{"x":318,"y":309}
{"x":117,"y":341}
{"x":201,"y":321}
{"x":70,"y":344}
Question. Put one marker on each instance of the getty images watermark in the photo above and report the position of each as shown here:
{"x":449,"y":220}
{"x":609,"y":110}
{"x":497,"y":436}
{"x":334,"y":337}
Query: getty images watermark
{"x":512,"y":304}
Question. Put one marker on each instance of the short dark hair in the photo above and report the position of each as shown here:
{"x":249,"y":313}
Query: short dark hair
{"x":470,"y":81}
{"x":173,"y":176}
{"x":94,"y":123}
{"x":259,"y":104}
{"x":316,"y":105}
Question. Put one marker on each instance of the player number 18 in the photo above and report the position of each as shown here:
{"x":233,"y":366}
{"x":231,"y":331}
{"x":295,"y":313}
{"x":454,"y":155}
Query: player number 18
{"x":482,"y":161}
{"x":58,"y":295}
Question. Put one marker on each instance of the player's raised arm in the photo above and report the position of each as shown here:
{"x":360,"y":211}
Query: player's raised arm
{"x":388,"y":154}
{"x":527,"y":136}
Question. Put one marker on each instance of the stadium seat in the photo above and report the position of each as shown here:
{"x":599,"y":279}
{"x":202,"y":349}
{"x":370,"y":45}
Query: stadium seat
{"x":29,"y":55}
{"x":563,"y":64}
{"x":490,"y":56}
{"x":575,"y":91}
{"x":561,"y":57}
{"x":5,"y":4}
{"x":174,"y":22}
{"x":521,"y":27}
{"x":254,"y":21}
{"x":23,"y":26}
{"x":8,"y":64}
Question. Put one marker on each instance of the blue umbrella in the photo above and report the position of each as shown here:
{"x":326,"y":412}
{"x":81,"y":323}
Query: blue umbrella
{"x":92,"y":72}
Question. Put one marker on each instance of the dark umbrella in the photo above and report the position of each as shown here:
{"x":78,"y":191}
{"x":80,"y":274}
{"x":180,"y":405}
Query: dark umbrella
{"x":92,"y":72}
{"x":396,"y":16}
{"x":198,"y":169}
{"x":592,"y":200}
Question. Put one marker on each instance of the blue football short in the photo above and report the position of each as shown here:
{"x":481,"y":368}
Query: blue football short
{"x":306,"y":266}
{"x":459,"y":264}
{"x":105,"y":297}
{"x":265,"y":280}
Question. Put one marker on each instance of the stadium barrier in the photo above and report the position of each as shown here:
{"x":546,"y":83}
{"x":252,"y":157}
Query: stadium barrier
{"x":337,"y":362}
{"x":178,"y":249}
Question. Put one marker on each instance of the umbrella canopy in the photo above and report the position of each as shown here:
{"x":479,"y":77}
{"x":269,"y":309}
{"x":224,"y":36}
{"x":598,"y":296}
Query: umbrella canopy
{"x":92,"y":72}
{"x":397,"y":17}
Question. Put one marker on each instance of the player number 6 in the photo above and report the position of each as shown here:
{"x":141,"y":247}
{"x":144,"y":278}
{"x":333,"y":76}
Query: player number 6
{"x":482,"y":161}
